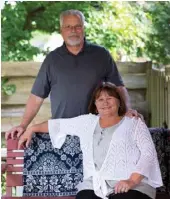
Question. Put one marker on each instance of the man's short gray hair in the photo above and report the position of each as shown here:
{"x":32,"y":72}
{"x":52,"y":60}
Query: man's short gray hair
{"x":72,"y":12}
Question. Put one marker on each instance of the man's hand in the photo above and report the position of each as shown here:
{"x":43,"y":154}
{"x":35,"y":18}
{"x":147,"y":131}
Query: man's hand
{"x":134,"y":113}
{"x":25,"y":138}
{"x":15,"y":132}
{"x":124,"y":186}
{"x":32,"y":107}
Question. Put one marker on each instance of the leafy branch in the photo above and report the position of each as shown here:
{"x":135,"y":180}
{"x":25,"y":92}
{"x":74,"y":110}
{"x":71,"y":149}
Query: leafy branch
{"x":7,"y":89}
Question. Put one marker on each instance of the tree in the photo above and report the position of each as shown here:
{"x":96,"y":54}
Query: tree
{"x":116,"y":27}
{"x":125,"y":28}
{"x":19,"y":21}
{"x":158,"y":43}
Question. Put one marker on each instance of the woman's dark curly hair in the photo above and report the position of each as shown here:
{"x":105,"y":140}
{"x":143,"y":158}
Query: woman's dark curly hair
{"x":111,"y":90}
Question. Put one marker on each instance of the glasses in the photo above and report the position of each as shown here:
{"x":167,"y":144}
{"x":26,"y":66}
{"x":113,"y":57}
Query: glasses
{"x":77,"y":27}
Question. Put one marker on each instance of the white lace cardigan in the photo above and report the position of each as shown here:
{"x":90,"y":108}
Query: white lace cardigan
{"x":131,"y":150}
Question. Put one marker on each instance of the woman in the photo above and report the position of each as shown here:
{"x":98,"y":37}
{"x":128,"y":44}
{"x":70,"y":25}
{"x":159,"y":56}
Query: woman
{"x":119,"y":158}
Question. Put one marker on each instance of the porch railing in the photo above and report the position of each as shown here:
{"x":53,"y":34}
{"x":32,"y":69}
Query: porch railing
{"x":158,"y":96}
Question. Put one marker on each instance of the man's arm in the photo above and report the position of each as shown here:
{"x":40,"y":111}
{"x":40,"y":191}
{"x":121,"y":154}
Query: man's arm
{"x":32,"y":107}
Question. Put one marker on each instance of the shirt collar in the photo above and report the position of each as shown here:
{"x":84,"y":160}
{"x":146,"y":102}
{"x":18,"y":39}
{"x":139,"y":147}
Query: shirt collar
{"x":85,"y":48}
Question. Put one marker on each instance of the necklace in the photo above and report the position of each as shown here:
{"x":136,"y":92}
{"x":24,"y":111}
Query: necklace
{"x":103,"y":130}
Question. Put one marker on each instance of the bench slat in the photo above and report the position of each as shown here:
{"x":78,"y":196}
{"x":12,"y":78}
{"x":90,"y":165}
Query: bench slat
{"x":15,"y":161}
{"x":12,"y":144}
{"x":14,"y":180}
{"x":11,"y":168}
{"x":15,"y":154}
{"x":8,"y":191}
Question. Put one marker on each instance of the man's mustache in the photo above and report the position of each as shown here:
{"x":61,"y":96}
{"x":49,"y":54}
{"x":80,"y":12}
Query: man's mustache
{"x":74,"y":35}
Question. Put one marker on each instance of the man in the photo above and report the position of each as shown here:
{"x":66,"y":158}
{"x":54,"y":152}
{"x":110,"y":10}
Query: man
{"x":69,"y":73}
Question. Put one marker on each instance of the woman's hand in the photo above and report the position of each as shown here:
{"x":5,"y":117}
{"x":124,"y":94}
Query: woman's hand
{"x":25,"y":138}
{"x":124,"y":186}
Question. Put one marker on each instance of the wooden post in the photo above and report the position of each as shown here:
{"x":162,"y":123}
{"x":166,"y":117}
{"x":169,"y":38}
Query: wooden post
{"x":158,"y":95}
{"x":167,"y":73}
{"x":148,"y":89}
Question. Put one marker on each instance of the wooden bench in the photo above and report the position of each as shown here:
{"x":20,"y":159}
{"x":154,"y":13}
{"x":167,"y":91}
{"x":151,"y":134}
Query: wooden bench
{"x":14,"y":170}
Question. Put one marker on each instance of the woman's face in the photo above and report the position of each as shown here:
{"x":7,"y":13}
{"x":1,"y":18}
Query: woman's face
{"x":107,"y":105}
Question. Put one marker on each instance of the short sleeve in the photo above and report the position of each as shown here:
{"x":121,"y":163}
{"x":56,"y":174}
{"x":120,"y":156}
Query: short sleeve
{"x":113,"y":75}
{"x":41,"y":86}
{"x":60,"y":128}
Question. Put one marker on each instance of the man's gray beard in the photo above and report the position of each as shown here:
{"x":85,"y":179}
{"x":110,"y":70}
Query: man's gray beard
{"x":73,"y":43}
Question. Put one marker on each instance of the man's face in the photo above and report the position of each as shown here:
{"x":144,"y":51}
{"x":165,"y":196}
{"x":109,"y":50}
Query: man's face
{"x":72,"y":30}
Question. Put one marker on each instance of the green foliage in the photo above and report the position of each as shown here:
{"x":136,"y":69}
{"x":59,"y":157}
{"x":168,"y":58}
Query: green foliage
{"x":3,"y":184}
{"x":19,"y":21}
{"x":116,"y":28}
{"x":7,"y":89}
{"x":158,"y":43}
{"x":15,"y":37}
{"x":125,"y":28}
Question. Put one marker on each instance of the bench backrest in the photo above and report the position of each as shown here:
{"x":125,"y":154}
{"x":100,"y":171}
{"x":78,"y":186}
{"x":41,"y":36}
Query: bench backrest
{"x":14,"y":169}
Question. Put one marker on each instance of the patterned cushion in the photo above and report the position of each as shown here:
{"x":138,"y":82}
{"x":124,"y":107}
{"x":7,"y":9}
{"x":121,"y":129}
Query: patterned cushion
{"x":161,"y":138}
{"x":49,"y":171}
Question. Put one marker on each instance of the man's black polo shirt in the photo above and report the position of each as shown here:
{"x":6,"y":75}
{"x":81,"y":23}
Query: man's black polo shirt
{"x":70,"y":79}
